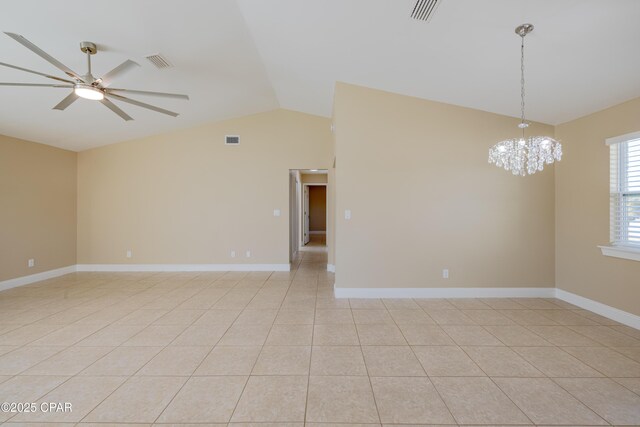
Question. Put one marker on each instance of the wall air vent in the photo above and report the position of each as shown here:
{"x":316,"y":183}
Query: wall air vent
{"x":232,"y":140}
{"x":159,"y":61}
{"x":424,"y":9}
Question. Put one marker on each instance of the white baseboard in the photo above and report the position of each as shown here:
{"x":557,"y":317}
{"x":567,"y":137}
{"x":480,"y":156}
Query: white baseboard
{"x":444,"y":292}
{"x":331,"y":268}
{"x":32,"y":278}
{"x":599,"y":308}
{"x":183,"y":267}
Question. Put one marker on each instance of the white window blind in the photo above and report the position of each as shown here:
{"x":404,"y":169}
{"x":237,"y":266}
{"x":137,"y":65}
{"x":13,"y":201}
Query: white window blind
{"x":625,"y":191}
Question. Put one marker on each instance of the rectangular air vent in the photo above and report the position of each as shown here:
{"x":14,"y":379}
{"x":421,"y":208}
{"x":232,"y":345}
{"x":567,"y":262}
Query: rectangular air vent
{"x":158,"y":60}
{"x":232,"y":140}
{"x":423,"y":10}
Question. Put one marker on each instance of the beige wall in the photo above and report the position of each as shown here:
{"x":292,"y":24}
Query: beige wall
{"x":317,"y":208}
{"x":438,"y":203}
{"x":186,"y":198}
{"x":582,"y":210}
{"x":37,"y":207}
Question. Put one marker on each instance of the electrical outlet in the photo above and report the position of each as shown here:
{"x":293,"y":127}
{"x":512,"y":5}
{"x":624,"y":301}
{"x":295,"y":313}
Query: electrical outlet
{"x":248,"y":254}
{"x":129,"y":253}
{"x":276,"y":212}
{"x":347,"y":214}
{"x":233,"y":254}
{"x":31,"y":263}
{"x":445,"y":273}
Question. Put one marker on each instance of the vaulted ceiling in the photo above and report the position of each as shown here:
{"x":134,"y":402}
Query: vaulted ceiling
{"x":240,"y":57}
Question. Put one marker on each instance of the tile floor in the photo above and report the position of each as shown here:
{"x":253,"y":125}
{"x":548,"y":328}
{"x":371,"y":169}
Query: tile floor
{"x":276,"y":349}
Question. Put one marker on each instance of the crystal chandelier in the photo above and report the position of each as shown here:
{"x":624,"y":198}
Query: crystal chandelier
{"x":524,"y":156}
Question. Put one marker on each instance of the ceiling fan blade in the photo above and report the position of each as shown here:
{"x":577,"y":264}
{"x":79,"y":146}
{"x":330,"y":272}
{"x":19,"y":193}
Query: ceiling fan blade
{"x":143,"y":105}
{"x":35,"y":72}
{"x":66,"y":102}
{"x":113,"y":107}
{"x":34,"y":85}
{"x":120,"y":69}
{"x":144,"y":92}
{"x":44,"y":55}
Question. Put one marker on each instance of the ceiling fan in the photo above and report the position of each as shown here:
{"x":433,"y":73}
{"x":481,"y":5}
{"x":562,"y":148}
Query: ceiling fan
{"x":87,"y":86}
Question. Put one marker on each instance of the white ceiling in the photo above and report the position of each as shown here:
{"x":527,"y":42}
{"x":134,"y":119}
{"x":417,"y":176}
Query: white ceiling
{"x":240,"y":57}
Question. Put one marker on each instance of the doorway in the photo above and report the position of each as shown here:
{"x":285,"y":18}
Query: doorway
{"x":314,"y":216}
{"x":308,"y":213}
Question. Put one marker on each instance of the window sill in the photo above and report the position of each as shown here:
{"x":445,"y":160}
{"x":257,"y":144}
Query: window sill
{"x":625,"y":252}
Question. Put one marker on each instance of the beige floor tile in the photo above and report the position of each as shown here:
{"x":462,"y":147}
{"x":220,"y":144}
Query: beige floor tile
{"x":450,"y":317}
{"x":23,"y":358}
{"x":527,"y":317}
{"x":28,"y":388}
{"x":477,"y":400}
{"x":84,"y":394}
{"x":632,"y":384}
{"x":218,"y":317}
{"x":256,"y":317}
{"x":200,"y":335}
{"x":154,"y":336}
{"x":179,"y":317}
{"x":290,"y":335}
{"x":229,"y":360}
{"x":283,"y":360}
{"x":471,"y":335}
{"x":516,"y":335}
{"x":272,"y":399}
{"x":333,"y":316}
{"x":409,"y":400}
{"x":607,"y":361}
{"x":143,"y":317}
{"x":27,"y":334}
{"x":205,"y":400}
{"x":295,"y":317}
{"x":630,"y":352}
{"x":468,"y":304}
{"x":245,"y":335}
{"x":488,"y":317}
{"x":122,"y":361}
{"x":536,"y":303}
{"x":434,"y":304}
{"x":67,"y":335}
{"x":68,"y":362}
{"x":180,"y":361}
{"x":400,"y":303}
{"x":337,"y":360}
{"x":341,"y":400}
{"x":501,"y":362}
{"x":366,"y":303}
{"x":544,"y":402}
{"x":140,"y":399}
{"x":372,"y":316}
{"x":607,"y":336}
{"x":411,"y":317}
{"x":112,"y":335}
{"x":555,"y":362}
{"x":417,"y":334}
{"x":4,"y":349}
{"x":627,"y":330}
{"x":335,"y":335}
{"x":502,"y":303}
{"x":562,"y":336}
{"x":567,"y":317}
{"x":608,"y":399}
{"x":391,"y":361}
{"x":446,"y":361}
{"x":380,"y":335}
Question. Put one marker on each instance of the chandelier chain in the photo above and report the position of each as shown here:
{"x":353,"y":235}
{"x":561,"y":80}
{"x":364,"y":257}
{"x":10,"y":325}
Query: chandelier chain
{"x":522,"y":83}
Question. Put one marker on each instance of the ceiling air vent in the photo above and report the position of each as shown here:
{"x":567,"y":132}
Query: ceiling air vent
{"x":423,"y":10}
{"x":232,"y":140}
{"x":159,"y":61}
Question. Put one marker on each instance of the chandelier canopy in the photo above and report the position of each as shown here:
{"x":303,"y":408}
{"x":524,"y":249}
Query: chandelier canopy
{"x":522,"y":155}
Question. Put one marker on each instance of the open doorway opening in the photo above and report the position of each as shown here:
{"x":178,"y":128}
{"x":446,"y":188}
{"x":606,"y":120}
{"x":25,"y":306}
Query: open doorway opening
{"x":308,"y":209}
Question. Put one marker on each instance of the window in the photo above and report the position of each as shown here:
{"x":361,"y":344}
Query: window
{"x":625,"y":195}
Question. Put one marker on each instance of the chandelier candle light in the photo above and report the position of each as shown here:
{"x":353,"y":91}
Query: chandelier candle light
{"x":524,"y":156}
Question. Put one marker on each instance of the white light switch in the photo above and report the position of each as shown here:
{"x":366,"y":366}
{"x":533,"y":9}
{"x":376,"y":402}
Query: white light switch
{"x":276,"y":212}
{"x":233,"y":254}
{"x":31,"y":263}
{"x":129,"y":254}
{"x":347,"y":214}
{"x":445,"y":273}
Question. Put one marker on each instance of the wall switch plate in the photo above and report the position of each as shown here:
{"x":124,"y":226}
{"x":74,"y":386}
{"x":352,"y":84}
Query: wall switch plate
{"x":129,"y":253}
{"x":347,"y":214}
{"x":276,"y":212}
{"x":233,"y":254}
{"x":445,"y":273}
{"x":31,"y":263}
{"x":248,"y":254}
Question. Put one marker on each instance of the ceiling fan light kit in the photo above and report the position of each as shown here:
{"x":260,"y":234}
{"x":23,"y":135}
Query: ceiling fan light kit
{"x":87,"y":86}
